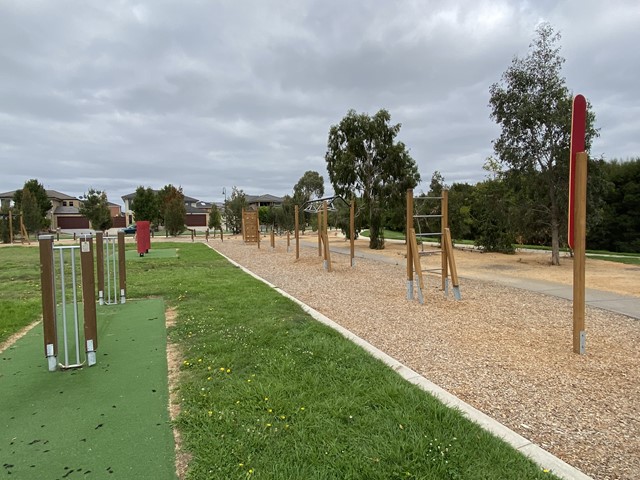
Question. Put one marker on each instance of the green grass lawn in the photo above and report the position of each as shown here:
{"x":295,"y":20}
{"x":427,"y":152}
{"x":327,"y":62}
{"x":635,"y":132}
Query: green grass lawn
{"x":269,"y":393}
{"x":20,"y":297}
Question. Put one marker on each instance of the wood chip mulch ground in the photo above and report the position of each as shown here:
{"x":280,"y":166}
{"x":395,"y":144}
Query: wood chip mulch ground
{"x":505,"y":351}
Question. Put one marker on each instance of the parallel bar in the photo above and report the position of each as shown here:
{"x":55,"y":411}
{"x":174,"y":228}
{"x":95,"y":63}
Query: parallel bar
{"x":427,"y":216}
{"x":100,"y":266}
{"x":122,"y":269}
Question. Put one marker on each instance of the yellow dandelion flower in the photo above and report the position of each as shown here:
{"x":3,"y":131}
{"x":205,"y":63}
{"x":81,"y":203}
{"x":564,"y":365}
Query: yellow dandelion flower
{"x":228,"y":370}
{"x":222,"y":369}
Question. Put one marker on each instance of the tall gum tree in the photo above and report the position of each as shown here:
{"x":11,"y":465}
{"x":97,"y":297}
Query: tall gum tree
{"x":363,"y":159}
{"x":532,"y":105}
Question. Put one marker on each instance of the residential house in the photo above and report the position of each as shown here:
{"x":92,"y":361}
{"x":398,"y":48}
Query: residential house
{"x":266,"y":200}
{"x":197,"y":215}
{"x":64,"y":214}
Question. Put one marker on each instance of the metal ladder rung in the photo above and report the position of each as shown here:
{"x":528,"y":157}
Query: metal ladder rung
{"x":430,"y":252}
{"x":432,"y":270}
{"x":427,"y":216}
{"x":426,"y":198}
{"x":434,"y":234}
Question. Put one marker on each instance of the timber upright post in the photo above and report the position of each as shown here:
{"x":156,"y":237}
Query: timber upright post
{"x":48,"y":301}
{"x":319,"y":234}
{"x":579,"y":260}
{"x":10,"y":227}
{"x":409,"y":227}
{"x":100,"y":266}
{"x":297,"y":233}
{"x":89,"y":299}
{"x":325,"y":236}
{"x":122,"y":268}
{"x":352,"y":232}
{"x":578,"y":161}
{"x":444,"y":225}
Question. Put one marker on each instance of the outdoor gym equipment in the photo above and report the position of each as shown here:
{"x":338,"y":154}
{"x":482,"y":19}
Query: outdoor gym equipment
{"x":110,"y":260}
{"x":59,"y":284}
{"x":321,"y":207}
{"x":250,"y":227}
{"x":143,"y":236}
{"x":446,"y":247}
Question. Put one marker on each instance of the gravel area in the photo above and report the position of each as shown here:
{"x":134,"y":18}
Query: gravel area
{"x":507,"y":352}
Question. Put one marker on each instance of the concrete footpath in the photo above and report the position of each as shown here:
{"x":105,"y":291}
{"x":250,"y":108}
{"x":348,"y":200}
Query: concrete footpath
{"x":613,"y":302}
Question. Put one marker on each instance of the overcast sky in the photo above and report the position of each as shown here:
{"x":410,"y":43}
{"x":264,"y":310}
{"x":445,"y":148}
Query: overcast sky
{"x":211,"y":94}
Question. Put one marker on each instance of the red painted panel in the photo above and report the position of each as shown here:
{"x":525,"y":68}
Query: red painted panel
{"x":578,"y":129}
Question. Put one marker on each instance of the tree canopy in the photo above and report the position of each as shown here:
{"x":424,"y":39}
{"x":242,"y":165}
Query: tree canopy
{"x":171,"y":209}
{"x":533,"y":105}
{"x":363,"y":159}
{"x":145,"y":204}
{"x":233,"y":209}
{"x":37,"y":213}
{"x":310,"y":184}
{"x":95,"y":207}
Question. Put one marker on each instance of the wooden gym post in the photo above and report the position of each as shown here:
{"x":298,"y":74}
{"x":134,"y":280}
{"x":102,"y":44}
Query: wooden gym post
{"x":297,"y":232}
{"x":352,"y":232}
{"x":319,"y":228}
{"x":100,"y":266}
{"x":47,"y":288}
{"x":444,"y":225}
{"x":89,"y":299}
{"x":409,"y":227}
{"x":579,"y":257}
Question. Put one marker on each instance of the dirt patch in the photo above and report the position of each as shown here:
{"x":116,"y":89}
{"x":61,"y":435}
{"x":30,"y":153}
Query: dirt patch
{"x":17,"y":336}
{"x":173,"y":363}
{"x":507,"y":352}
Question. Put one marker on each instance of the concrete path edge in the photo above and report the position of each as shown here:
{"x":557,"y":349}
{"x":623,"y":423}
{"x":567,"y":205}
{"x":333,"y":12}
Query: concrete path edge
{"x":536,"y":453}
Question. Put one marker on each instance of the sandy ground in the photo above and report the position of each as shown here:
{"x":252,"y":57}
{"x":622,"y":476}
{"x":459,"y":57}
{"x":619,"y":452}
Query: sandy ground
{"x":507,"y":352}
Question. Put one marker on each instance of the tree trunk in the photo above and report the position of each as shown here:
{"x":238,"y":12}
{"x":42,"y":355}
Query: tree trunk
{"x":376,"y":239}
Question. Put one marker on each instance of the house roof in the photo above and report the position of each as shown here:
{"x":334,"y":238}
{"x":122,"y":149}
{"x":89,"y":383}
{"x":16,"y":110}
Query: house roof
{"x":266,"y":198}
{"x":131,"y":196}
{"x":50,"y":194}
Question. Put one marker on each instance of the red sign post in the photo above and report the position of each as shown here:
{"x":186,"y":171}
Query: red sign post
{"x":578,"y":218}
{"x":578,"y":128}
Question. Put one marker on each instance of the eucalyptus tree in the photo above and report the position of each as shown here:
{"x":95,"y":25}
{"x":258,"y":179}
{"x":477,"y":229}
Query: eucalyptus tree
{"x":532,"y":105}
{"x":364,"y":160}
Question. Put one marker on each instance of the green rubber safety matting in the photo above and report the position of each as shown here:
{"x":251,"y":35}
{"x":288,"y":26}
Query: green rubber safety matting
{"x":110,"y":420}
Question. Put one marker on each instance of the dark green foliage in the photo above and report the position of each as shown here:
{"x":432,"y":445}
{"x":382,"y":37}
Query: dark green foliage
{"x":233,"y":210}
{"x":364,"y":160}
{"x":31,"y":216}
{"x":171,"y":202}
{"x":461,"y":222}
{"x":619,"y":230}
{"x":4,"y":225}
{"x":37,"y":214}
{"x":215,"y":218}
{"x":285,"y":215}
{"x":492,"y":207}
{"x":145,"y":205}
{"x":95,"y":207}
